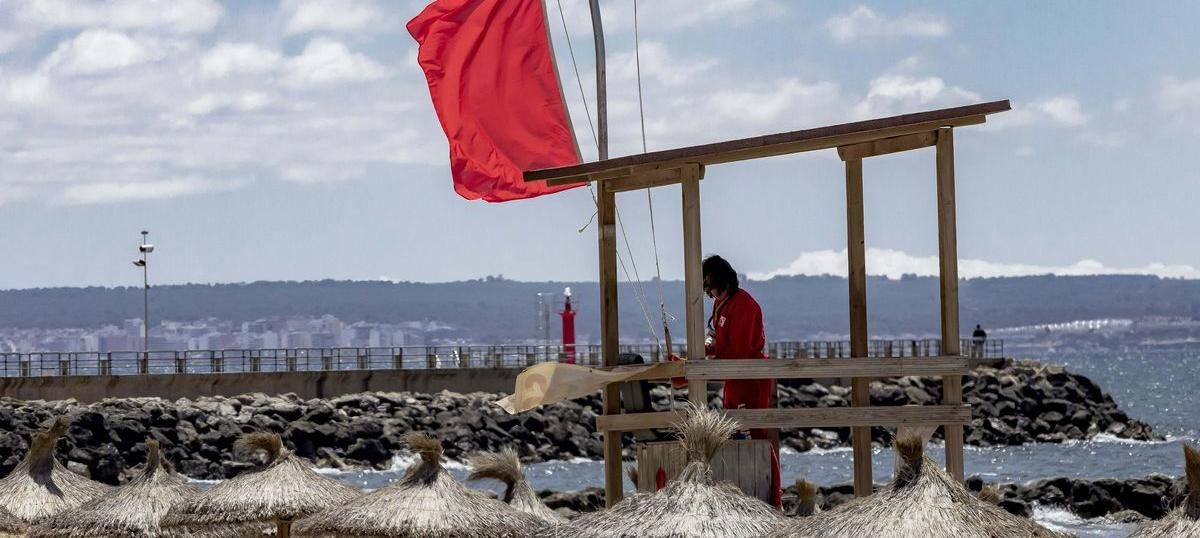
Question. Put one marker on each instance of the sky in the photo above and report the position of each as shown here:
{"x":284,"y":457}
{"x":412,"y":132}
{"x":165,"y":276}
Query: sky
{"x":295,"y":140}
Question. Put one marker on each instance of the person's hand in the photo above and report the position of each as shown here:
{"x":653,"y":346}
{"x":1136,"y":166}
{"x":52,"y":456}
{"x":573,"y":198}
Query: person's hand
{"x":673,"y":357}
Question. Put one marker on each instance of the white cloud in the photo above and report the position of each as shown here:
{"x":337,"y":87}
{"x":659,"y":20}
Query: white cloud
{"x":660,"y":65}
{"x":321,"y":172}
{"x":862,"y":22}
{"x":679,"y":14}
{"x":98,"y":51}
{"x":9,"y":39}
{"x":32,"y":89}
{"x":325,"y":62}
{"x":659,"y":15}
{"x":178,"y":16}
{"x":13,"y":193}
{"x":103,"y":193}
{"x":1122,"y":105}
{"x":213,"y":102}
{"x":1106,"y":139}
{"x":894,"y":94}
{"x":895,"y":263}
{"x":1064,"y":110}
{"x":1058,"y":111}
{"x":1176,"y":95}
{"x":330,"y":15}
{"x":228,"y":59}
{"x":789,"y":101}
{"x":156,"y":115}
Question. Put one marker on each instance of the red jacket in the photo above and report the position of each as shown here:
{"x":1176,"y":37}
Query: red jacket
{"x":737,"y":328}
{"x":737,"y":332}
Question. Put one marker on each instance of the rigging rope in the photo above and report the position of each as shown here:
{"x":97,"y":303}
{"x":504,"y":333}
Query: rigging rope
{"x":637,"y":59}
{"x":582,"y":94}
{"x":639,"y":293}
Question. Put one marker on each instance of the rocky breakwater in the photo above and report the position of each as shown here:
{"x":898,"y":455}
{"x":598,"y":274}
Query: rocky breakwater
{"x":1125,"y":501}
{"x":1128,"y":500}
{"x":1020,"y":403}
{"x":1012,"y":405}
{"x":363,"y":430}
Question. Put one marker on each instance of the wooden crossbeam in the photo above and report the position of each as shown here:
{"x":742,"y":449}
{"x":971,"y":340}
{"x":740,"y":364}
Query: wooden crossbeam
{"x":885,"y":146}
{"x":610,"y":175}
{"x":718,"y":369}
{"x":824,"y":368}
{"x":662,"y":370}
{"x":631,"y":180}
{"x":811,"y":417}
{"x":778,"y":144}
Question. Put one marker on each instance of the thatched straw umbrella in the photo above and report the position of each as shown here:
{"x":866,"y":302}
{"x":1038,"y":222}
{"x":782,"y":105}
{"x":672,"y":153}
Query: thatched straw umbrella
{"x":691,"y":506}
{"x":923,"y":501}
{"x":426,"y":503}
{"x":10,"y":526}
{"x":285,"y":490}
{"x":40,"y":486}
{"x":1185,"y":520}
{"x":505,"y":466}
{"x":132,"y":510}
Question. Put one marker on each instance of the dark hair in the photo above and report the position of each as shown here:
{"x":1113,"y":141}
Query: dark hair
{"x":719,"y":275}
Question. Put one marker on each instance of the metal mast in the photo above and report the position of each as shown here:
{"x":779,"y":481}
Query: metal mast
{"x":601,"y":84}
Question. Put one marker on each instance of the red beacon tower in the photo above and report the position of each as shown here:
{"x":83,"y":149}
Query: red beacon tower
{"x":568,"y":328}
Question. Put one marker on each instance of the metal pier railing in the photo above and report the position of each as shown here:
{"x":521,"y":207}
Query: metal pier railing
{"x":88,"y":363}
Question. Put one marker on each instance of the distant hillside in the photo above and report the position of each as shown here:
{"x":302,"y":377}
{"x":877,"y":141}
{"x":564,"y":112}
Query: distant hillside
{"x":495,"y":309}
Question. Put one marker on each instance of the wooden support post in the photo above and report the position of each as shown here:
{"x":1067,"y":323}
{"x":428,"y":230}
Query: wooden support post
{"x":948,"y":258}
{"x":693,"y":278}
{"x":856,"y":256}
{"x":606,"y":217}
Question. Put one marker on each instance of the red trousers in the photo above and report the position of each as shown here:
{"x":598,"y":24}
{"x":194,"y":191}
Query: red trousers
{"x":756,"y":394}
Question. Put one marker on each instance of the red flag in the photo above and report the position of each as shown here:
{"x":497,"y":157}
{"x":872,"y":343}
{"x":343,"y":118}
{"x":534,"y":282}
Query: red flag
{"x":495,"y":88}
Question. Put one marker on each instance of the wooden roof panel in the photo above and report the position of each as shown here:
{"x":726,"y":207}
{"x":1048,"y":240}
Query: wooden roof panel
{"x":781,"y":143}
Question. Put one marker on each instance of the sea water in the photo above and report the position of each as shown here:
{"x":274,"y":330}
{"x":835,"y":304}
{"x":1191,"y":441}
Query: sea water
{"x":1156,"y":386}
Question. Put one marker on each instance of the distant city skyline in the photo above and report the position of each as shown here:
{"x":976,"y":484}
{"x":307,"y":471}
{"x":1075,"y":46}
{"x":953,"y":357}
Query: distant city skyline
{"x":294,"y":140}
{"x":276,"y":332}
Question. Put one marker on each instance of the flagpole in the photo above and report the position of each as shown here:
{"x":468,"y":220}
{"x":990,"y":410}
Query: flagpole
{"x":601,"y":84}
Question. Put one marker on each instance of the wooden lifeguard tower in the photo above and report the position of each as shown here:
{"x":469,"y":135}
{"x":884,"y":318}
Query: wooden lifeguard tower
{"x":854,"y":142}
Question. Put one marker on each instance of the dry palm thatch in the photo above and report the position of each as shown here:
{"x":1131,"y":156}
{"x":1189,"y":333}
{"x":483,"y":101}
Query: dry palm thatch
{"x":691,"y":506}
{"x":132,"y":510}
{"x":10,"y":526}
{"x":39,"y":486}
{"x":806,"y":498}
{"x":923,"y":501}
{"x":505,"y":466}
{"x":285,"y":490}
{"x":426,"y":503}
{"x":1184,"y":521}
{"x":991,"y":495}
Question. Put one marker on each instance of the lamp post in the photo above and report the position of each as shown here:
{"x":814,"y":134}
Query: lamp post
{"x":145,"y":248}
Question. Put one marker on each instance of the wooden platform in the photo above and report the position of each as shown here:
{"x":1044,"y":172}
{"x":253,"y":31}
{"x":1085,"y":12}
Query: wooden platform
{"x":745,"y":463}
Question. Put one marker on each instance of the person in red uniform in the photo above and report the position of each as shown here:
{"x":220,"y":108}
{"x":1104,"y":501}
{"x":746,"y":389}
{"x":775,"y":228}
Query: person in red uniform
{"x":735,"y":331}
